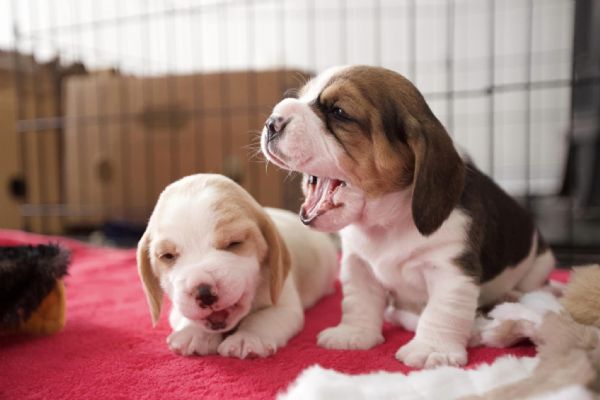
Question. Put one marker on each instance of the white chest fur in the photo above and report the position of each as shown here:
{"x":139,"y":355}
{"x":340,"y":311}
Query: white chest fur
{"x":397,"y":253}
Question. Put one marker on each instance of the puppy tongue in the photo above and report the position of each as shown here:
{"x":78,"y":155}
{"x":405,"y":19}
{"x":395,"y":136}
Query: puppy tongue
{"x":218,"y":317}
{"x":319,"y":198}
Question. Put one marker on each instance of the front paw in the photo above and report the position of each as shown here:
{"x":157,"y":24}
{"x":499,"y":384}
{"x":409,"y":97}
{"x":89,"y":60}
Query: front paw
{"x":192,"y":340}
{"x":244,"y":344}
{"x":419,"y":354}
{"x":348,"y":337}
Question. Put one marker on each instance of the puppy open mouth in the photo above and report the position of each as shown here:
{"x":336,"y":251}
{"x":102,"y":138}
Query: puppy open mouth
{"x":221,"y":320}
{"x":319,"y":197}
{"x":218,"y":319}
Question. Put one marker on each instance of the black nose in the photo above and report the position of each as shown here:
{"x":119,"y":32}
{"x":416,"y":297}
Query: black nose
{"x":275,"y":125}
{"x":205,"y":296}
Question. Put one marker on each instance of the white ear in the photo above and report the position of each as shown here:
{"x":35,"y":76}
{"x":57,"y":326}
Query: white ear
{"x":154,"y":293}
{"x":278,"y":259}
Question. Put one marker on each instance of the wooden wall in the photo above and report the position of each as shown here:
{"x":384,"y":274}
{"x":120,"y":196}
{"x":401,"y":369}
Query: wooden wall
{"x":31,"y":151}
{"x":97,"y":147}
{"x":126,"y":138}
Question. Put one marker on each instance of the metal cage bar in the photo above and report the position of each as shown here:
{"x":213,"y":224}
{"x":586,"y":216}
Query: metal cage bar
{"x":410,"y":20}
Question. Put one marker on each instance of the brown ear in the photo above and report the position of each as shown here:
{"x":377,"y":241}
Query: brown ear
{"x":277,"y":259}
{"x":154,"y":293}
{"x":439,"y":173}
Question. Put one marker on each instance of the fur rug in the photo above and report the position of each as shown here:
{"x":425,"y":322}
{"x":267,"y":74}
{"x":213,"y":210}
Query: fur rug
{"x":565,"y":330}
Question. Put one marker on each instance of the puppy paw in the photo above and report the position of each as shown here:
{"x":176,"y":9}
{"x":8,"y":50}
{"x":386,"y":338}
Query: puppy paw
{"x":192,"y":340}
{"x":348,"y":337}
{"x":243,"y":344}
{"x":418,"y":354}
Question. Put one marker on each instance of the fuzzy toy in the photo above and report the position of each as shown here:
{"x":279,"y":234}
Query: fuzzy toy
{"x":582,"y":295}
{"x":565,"y":332}
{"x":32,"y":295}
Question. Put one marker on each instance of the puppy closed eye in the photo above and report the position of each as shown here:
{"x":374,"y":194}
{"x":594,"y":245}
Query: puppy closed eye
{"x":233,"y":245}
{"x":168,"y":257}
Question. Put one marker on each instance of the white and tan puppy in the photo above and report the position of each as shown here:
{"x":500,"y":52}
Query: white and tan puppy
{"x":419,"y":225}
{"x":230,"y":267}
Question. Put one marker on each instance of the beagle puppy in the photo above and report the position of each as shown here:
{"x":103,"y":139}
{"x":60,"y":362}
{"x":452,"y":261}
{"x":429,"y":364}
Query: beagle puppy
{"x":238,"y":276}
{"x":423,"y":230}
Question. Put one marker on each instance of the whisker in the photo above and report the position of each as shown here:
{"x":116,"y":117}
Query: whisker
{"x":301,"y":78}
{"x":252,"y":146}
{"x":255,"y":154}
{"x":290,"y":174}
{"x":258,"y":157}
{"x":291,"y":93}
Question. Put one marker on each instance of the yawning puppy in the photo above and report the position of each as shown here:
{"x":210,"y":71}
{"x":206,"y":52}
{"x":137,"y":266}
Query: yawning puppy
{"x":419,"y":225}
{"x":230,"y":266}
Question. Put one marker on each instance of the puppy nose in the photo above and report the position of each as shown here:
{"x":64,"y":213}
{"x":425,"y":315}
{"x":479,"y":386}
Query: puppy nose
{"x":205,"y":295}
{"x":275,"y":125}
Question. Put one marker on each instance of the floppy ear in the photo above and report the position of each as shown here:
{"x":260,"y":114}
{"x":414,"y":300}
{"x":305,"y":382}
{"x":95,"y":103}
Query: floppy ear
{"x":277,"y":259}
{"x":154,"y":293}
{"x":439,"y":173}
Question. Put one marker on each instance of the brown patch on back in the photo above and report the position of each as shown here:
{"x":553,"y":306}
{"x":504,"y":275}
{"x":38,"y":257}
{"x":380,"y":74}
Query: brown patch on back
{"x":502,"y":233}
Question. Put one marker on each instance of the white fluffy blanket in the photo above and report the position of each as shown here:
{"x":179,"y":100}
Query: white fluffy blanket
{"x":436,"y":384}
{"x":444,"y":383}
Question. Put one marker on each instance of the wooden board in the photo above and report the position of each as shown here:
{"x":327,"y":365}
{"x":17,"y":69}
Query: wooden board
{"x":32,"y":153}
{"x":128,"y":137}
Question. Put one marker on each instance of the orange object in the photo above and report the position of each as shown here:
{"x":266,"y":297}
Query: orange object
{"x":49,"y":317}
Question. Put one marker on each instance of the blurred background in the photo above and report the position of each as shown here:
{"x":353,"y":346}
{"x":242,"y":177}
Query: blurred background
{"x":103,"y":103}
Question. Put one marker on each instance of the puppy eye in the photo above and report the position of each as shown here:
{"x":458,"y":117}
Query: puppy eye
{"x":168,"y":257}
{"x":233,"y":245}
{"x":339,"y":113}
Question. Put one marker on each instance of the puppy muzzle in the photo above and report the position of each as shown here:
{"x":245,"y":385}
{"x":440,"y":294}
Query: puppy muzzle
{"x":206,"y":296}
{"x":275,"y":125}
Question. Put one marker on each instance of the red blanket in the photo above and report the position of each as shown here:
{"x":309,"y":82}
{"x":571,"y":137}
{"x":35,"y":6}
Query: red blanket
{"x":108,"y":348}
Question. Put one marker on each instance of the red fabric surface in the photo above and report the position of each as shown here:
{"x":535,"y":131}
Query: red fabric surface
{"x":108,"y":348}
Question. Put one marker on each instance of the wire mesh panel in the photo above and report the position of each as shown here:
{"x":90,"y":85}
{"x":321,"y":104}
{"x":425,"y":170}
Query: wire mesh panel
{"x":175,"y":87}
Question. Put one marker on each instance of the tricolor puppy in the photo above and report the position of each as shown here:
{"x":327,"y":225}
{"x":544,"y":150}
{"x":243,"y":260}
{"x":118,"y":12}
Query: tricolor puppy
{"x":419,"y":225}
{"x":230,"y":267}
